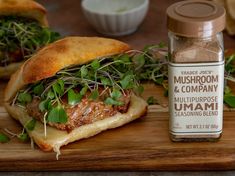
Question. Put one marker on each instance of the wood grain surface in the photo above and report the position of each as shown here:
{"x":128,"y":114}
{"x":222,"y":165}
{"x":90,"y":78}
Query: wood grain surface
{"x":141,"y":145}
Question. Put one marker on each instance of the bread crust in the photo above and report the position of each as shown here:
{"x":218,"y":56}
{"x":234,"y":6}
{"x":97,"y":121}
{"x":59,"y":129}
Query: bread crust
{"x":58,"y":55}
{"x":24,"y":8}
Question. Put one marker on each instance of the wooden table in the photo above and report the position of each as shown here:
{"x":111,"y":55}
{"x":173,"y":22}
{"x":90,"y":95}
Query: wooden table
{"x":141,"y":145}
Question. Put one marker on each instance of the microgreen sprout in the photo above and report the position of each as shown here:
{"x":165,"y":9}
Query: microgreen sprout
{"x":4,"y":138}
{"x":115,"y":74}
{"x":20,"y":38}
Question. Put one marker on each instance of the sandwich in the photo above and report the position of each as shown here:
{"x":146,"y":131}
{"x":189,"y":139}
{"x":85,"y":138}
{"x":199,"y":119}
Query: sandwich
{"x":75,"y":88}
{"x":23,"y":31}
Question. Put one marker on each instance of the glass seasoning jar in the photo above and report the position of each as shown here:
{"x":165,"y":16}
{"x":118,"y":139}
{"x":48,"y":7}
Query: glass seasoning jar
{"x":196,"y":70}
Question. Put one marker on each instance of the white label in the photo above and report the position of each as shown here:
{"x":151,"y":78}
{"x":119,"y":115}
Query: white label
{"x":196,"y":98}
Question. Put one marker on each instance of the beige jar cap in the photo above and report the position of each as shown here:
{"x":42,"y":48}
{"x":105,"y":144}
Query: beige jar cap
{"x":195,"y":18}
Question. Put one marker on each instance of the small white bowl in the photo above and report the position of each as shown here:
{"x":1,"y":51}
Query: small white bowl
{"x":115,"y":17}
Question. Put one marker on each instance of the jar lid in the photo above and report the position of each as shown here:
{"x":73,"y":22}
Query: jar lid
{"x":195,"y":18}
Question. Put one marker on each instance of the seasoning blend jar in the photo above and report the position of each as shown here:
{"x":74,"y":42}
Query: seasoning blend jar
{"x":196,"y":70}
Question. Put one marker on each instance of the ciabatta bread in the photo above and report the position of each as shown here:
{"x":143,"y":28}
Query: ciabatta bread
{"x":46,"y":63}
{"x":24,"y":8}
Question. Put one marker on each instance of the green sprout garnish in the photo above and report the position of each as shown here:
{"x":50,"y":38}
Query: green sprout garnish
{"x":4,"y":138}
{"x":115,"y":75}
{"x":20,"y":38}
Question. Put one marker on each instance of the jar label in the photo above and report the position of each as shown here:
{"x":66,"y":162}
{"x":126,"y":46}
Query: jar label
{"x":196,"y":98}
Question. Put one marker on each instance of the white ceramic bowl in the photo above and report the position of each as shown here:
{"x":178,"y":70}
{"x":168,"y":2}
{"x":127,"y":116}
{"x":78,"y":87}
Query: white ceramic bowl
{"x":115,"y":17}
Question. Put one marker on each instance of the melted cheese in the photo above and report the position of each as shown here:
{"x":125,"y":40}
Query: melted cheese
{"x":56,"y":138}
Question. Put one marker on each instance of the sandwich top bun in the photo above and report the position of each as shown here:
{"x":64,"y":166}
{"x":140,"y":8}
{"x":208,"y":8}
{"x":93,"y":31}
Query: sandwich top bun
{"x":58,"y":55}
{"x":24,"y":8}
{"x":46,"y":63}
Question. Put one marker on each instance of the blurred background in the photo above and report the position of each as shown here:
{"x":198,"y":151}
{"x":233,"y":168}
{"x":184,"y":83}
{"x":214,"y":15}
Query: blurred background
{"x":66,"y":17}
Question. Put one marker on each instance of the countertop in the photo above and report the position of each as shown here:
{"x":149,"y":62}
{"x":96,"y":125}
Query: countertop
{"x":66,"y":17}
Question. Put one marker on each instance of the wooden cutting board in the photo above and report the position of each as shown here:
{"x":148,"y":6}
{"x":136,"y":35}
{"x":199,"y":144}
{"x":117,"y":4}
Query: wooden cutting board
{"x":141,"y":145}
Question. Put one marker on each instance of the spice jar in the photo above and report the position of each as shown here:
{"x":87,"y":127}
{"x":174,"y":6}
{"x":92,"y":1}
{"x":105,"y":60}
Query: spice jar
{"x":196,"y":70}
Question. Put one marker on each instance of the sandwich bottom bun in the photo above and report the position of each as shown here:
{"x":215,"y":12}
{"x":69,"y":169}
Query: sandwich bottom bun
{"x":55,"y":138}
{"x":7,"y":71}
